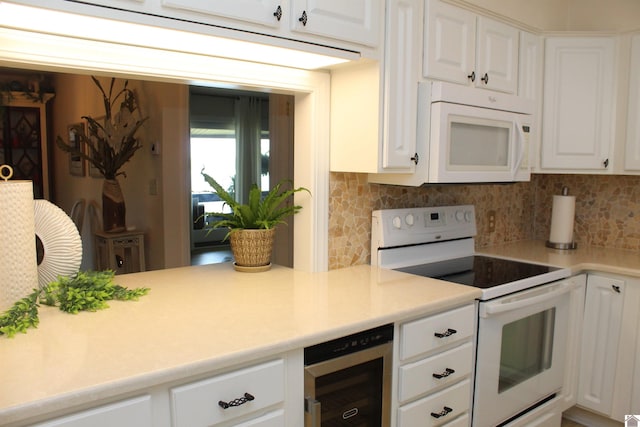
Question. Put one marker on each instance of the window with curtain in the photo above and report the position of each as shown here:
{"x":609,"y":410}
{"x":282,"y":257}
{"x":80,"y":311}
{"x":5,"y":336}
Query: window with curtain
{"x":230,"y":141}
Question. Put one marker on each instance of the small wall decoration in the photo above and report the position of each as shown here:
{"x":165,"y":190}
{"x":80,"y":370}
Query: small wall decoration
{"x":76,"y":162}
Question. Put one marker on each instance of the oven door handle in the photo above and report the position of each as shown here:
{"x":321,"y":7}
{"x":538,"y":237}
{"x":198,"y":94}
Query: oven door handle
{"x":497,"y":307}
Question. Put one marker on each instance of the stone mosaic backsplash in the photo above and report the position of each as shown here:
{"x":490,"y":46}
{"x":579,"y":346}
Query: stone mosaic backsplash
{"x":607,"y":210}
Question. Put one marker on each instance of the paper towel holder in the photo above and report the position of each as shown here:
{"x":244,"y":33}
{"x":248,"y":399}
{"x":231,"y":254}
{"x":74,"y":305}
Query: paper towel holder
{"x":563,"y":246}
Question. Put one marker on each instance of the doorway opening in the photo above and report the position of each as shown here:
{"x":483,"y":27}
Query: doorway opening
{"x":232,"y":139}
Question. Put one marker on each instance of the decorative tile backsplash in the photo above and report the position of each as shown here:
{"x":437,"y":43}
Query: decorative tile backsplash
{"x":607,"y":210}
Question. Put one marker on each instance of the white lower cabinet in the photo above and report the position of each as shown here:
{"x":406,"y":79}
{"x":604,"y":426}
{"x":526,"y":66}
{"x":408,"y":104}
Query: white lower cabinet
{"x":435,"y":369}
{"x":134,"y":412}
{"x":609,"y":362}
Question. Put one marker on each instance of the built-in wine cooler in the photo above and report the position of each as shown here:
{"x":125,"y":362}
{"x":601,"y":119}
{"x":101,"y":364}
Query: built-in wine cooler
{"x":348,"y":380}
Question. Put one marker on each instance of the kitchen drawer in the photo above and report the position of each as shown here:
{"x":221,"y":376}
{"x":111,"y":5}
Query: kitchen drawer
{"x":424,"y":335}
{"x":437,"y":409}
{"x":418,"y":378}
{"x":461,"y":421}
{"x":134,"y":412}
{"x":196,"y":404}
{"x":272,"y":419}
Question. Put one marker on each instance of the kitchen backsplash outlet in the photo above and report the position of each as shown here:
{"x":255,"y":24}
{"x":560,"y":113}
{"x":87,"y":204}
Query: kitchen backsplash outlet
{"x":607,"y":210}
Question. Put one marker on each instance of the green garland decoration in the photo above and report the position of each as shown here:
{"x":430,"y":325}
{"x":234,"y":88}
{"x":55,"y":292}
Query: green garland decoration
{"x":86,"y":291}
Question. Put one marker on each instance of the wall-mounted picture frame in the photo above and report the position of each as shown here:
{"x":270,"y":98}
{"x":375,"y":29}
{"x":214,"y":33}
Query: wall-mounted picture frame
{"x":76,"y":162}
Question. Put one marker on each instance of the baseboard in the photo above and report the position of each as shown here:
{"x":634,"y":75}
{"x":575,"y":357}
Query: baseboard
{"x":590,"y":419}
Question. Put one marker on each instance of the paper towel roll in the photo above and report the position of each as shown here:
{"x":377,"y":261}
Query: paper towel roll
{"x":18,"y":261}
{"x":562,"y":217}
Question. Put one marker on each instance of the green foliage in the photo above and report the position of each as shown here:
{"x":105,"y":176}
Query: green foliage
{"x":110,"y":141}
{"x":86,"y":291}
{"x":258,"y":213}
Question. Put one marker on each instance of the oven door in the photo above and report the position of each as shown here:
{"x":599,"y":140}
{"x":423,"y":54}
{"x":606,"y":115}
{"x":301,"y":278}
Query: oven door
{"x":521,"y":351}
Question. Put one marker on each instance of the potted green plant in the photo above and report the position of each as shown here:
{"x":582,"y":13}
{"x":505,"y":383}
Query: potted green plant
{"x":110,"y":142}
{"x":252,"y":225}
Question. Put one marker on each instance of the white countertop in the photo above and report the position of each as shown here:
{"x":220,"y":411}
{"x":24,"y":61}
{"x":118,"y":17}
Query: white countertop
{"x":200,"y":319}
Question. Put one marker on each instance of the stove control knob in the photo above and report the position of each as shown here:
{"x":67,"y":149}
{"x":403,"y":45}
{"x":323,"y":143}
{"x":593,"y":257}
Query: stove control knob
{"x":459,"y":216}
{"x":397,"y":222}
{"x":468,"y":216}
{"x":409,"y":219}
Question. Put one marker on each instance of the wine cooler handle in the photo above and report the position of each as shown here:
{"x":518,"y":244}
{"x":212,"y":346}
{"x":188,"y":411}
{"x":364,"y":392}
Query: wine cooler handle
{"x":313,"y":408}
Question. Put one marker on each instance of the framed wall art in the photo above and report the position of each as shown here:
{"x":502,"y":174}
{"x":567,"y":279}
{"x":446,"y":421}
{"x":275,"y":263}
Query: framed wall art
{"x":76,"y":162}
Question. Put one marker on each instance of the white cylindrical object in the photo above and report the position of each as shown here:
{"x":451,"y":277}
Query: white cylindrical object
{"x":562,"y":217}
{"x":18,"y":260}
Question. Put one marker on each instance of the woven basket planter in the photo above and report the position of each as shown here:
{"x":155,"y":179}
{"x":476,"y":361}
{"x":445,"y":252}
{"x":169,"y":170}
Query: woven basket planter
{"x":252,"y":248}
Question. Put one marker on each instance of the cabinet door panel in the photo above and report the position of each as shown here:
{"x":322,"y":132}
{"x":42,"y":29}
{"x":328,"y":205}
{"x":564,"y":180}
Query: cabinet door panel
{"x":401,"y":85}
{"x":497,"y":56}
{"x":632,"y":148}
{"x":255,"y":11}
{"x":600,"y":338}
{"x":450,"y":40}
{"x":578,"y":103}
{"x":356,"y":21}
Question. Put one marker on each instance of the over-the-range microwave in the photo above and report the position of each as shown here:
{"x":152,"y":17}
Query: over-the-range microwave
{"x":467,"y":135}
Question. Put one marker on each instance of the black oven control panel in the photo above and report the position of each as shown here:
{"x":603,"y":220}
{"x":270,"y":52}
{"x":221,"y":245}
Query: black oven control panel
{"x":349,"y":344}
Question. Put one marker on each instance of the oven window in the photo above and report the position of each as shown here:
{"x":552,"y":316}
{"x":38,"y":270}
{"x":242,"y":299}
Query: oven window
{"x":527,"y":348}
{"x":352,"y":396}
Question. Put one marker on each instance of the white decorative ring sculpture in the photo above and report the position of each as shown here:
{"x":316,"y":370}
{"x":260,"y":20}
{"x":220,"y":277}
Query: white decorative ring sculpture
{"x":60,"y":240}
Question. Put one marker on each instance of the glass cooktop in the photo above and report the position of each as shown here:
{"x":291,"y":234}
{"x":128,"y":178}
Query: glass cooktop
{"x":479,"y":271}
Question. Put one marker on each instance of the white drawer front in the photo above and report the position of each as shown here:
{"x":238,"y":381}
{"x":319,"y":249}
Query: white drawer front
{"x":272,"y":419}
{"x":462,"y":421}
{"x":448,"y":367}
{"x":196,"y":404}
{"x":127,"y":413}
{"x":424,"y":335}
{"x":438,"y":408}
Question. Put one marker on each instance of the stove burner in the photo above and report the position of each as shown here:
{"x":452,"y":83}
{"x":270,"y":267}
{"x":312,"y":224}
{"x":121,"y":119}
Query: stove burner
{"x":479,"y":271}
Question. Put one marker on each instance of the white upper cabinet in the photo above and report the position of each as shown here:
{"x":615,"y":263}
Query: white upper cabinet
{"x":632,"y":147}
{"x":463,"y":48}
{"x":449,"y":43}
{"x":264,"y":12}
{"x":356,"y":21}
{"x":578,"y":117}
{"x":497,"y":56}
{"x":530,"y":69}
{"x":374,"y":106}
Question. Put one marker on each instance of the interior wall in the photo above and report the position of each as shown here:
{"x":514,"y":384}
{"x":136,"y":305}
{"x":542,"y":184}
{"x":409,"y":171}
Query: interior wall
{"x":77,"y":96}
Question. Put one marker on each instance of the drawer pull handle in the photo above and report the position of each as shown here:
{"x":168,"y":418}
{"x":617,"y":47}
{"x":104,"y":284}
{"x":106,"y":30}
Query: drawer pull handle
{"x":445,"y":334}
{"x":236,"y":402}
{"x":444,"y":374}
{"x":442,"y":413}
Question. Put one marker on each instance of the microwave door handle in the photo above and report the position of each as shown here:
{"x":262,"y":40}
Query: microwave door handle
{"x":496,"y":307}
{"x":521,"y":147}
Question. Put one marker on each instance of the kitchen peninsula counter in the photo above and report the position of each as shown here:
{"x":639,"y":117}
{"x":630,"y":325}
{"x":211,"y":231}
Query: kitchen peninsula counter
{"x":582,"y":259}
{"x":197,"y":320}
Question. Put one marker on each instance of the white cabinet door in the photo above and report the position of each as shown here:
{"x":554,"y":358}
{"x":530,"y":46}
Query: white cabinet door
{"x":572,"y":358}
{"x":600,"y":339}
{"x":632,"y":147}
{"x":264,"y":12}
{"x":463,"y":48}
{"x":357,"y":21}
{"x":530,"y":67}
{"x":577,"y":126}
{"x":496,"y":56}
{"x":449,"y":43}
{"x":401,"y":75}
